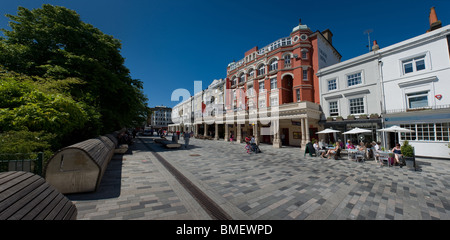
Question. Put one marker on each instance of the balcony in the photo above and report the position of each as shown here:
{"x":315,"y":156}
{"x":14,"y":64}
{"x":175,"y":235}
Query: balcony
{"x":403,"y":110}
{"x":278,"y":43}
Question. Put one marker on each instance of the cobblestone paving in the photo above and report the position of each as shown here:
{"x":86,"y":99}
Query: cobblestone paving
{"x":275,"y":184}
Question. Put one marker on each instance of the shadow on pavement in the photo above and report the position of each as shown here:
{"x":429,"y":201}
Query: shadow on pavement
{"x":148,"y":141}
{"x":110,"y":184}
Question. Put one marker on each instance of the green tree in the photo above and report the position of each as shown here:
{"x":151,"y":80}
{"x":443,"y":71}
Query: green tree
{"x":53,"y":43}
{"x":25,"y":105}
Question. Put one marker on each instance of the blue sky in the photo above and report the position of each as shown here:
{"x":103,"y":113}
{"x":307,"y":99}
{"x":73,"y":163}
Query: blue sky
{"x":170,"y":44}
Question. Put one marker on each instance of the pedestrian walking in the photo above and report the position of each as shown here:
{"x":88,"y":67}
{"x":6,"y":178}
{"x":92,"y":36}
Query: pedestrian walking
{"x":186,"y":137}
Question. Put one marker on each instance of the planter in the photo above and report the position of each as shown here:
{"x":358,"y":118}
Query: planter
{"x":351,"y":118}
{"x":410,"y":162}
{"x":362,"y":116}
{"x":339,"y":119}
{"x":375,"y":116}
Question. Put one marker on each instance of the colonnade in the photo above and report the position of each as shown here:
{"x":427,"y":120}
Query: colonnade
{"x":257,"y":128}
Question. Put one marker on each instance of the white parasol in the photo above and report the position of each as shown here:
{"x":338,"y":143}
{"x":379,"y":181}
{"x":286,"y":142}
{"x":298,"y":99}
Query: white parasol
{"x":357,"y":131}
{"x":328,"y":130}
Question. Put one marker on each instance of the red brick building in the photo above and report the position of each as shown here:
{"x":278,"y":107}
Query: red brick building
{"x":281,"y":75}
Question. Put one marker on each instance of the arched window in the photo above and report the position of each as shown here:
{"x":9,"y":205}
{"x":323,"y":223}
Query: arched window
{"x":287,"y":61}
{"x":273,"y":65}
{"x":242,"y":78}
{"x":233,"y":81}
{"x":304,"y":54}
{"x":261,"y":70}
{"x":251,"y":73}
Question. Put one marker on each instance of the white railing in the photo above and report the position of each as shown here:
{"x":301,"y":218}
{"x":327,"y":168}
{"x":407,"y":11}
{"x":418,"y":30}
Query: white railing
{"x":416,"y":109}
{"x":278,"y":43}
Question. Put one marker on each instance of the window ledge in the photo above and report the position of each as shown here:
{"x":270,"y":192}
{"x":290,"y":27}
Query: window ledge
{"x":417,"y":81}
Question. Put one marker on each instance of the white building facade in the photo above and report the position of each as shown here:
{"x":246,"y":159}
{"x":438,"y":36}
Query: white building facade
{"x":351,"y":97}
{"x":160,"y":118}
{"x":416,"y":84}
{"x":407,"y":83}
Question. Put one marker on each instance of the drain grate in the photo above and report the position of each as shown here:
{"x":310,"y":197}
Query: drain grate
{"x":213,"y":210}
{"x":194,"y":155}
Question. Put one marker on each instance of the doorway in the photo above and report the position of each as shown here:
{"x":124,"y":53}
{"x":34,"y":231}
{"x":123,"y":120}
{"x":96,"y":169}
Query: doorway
{"x":287,"y":89}
{"x":285,"y":136}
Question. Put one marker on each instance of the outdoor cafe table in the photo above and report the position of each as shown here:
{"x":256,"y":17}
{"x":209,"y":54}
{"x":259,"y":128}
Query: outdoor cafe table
{"x":351,"y":153}
{"x":384,"y":156}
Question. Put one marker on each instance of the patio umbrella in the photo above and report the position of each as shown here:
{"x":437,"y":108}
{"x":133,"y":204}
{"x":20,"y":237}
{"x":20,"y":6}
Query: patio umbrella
{"x":358,"y":130}
{"x":395,"y":129}
{"x":328,"y":130}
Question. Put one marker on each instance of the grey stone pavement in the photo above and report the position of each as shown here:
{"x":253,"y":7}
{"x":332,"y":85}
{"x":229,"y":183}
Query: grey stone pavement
{"x":275,"y":184}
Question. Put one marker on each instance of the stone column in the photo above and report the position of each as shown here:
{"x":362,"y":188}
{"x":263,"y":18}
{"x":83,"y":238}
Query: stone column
{"x":303,"y":132}
{"x":206,"y":129}
{"x":307,"y":131}
{"x":277,"y":134}
{"x":196,"y":129}
{"x":238,"y":133}
{"x":216,"y":134}
{"x":256,"y":132}
{"x":227,"y":132}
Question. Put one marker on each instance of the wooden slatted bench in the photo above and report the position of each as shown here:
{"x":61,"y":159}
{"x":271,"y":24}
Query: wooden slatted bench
{"x":119,"y":148}
{"x":80,"y":167}
{"x":26,"y":196}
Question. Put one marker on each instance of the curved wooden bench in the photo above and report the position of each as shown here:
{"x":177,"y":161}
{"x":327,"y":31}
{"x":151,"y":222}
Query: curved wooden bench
{"x":80,"y":167}
{"x":119,"y":149}
{"x":27,"y":196}
{"x":113,"y":138}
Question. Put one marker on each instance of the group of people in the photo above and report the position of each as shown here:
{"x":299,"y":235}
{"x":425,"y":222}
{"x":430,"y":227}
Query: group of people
{"x":327,"y":152}
{"x":250,"y":145}
{"x":126,"y":137}
{"x":186,"y":136}
{"x":370,"y":149}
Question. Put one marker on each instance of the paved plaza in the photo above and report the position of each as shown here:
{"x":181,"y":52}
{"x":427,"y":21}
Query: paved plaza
{"x":275,"y":184}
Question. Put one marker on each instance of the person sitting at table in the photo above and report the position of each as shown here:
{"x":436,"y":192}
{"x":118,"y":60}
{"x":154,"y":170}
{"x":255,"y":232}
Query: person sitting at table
{"x":397,"y":153}
{"x":369,"y":151}
{"x":375,"y":146}
{"x":332,"y":151}
{"x":362,"y":147}
{"x":349,"y":145}
{"x":316,"y":146}
{"x":322,"y":145}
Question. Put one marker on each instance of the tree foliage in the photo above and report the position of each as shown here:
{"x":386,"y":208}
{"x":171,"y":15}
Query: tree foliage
{"x":71,"y":57}
{"x":26,"y":106}
{"x":24,"y":141}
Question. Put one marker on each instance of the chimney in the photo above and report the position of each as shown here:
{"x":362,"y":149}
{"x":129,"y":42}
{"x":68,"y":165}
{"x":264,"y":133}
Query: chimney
{"x":375,"y":46}
{"x":328,"y":35}
{"x":434,"y":22}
